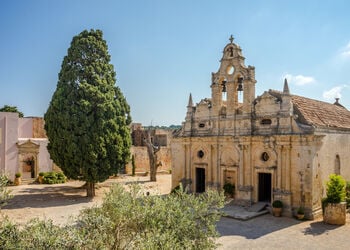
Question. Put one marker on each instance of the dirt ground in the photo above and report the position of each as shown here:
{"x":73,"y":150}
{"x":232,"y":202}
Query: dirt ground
{"x":61,"y":202}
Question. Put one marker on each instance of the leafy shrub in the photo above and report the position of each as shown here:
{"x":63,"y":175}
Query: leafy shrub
{"x":347,"y":196}
{"x":335,"y":189}
{"x":18,"y":175}
{"x":229,"y":188}
{"x":54,"y":178}
{"x":277,"y":204}
{"x":4,"y":193}
{"x":127,"y":220}
{"x":41,"y":174}
{"x":301,"y":210}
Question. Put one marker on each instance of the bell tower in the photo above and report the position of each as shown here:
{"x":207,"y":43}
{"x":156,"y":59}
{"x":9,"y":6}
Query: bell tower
{"x":233,"y":80}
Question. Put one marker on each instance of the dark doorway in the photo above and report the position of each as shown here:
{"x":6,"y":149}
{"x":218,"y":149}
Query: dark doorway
{"x":264,"y":187}
{"x":200,"y":180}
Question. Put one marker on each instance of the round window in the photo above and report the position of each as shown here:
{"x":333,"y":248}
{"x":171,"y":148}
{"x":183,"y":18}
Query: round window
{"x":200,"y":154}
{"x":265,"y":156}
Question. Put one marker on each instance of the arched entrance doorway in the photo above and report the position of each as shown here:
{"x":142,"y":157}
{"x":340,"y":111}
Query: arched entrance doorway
{"x":28,"y":159}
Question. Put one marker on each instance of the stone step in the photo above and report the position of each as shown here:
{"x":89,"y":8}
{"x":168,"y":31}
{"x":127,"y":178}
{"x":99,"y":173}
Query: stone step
{"x":257,"y":207}
{"x":27,"y":181}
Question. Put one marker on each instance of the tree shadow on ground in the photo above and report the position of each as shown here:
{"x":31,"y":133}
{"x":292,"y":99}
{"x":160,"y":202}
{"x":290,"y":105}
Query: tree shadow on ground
{"x":318,"y":228}
{"x":48,"y":196}
{"x":254,"y":228}
{"x":137,"y":182}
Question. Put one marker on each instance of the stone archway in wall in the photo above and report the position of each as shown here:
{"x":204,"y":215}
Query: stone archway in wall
{"x":229,"y":161}
{"x":28,"y":159}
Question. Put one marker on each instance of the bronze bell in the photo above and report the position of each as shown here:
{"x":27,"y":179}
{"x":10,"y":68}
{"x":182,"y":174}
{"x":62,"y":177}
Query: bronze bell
{"x":240,"y":84}
{"x":223,"y":84}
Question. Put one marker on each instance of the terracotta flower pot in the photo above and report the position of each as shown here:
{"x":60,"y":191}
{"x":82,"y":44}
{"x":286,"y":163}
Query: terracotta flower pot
{"x":300,"y":216}
{"x":17,"y":181}
{"x":277,"y":211}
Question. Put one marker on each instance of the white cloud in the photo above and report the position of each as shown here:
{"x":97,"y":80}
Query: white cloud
{"x":333,"y":93}
{"x":345,"y":51}
{"x":299,"y":80}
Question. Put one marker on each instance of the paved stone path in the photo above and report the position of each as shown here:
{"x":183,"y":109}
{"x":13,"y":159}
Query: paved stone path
{"x":268,"y":232}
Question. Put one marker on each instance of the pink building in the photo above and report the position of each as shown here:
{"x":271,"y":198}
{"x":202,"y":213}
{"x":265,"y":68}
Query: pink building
{"x":23,"y":146}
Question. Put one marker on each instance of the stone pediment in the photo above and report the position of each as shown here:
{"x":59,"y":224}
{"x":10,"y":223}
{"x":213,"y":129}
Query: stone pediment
{"x":267,"y":97}
{"x":267,"y":104}
{"x":27,"y":145}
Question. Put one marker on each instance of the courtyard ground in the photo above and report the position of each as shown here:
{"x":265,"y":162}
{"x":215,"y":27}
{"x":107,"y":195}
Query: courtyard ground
{"x":61,"y":202}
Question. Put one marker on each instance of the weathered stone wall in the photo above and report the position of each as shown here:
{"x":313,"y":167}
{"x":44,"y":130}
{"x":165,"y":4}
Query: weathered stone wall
{"x":38,"y":127}
{"x":142,"y":161}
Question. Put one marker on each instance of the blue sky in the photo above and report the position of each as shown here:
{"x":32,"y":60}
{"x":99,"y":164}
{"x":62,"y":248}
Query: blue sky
{"x":164,"y":50}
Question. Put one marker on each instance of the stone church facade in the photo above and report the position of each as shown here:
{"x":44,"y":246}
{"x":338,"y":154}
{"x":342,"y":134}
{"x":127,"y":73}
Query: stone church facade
{"x":274,"y":146}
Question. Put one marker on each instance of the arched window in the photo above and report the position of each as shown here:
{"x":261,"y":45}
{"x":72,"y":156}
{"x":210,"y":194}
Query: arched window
{"x":337,"y":165}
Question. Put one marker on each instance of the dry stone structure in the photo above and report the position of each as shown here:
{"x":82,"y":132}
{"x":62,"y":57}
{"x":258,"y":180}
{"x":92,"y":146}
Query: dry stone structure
{"x":160,"y":138}
{"x":274,"y":146}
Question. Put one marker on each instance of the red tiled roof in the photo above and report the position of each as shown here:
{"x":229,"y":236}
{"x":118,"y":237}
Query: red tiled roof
{"x":320,"y":114}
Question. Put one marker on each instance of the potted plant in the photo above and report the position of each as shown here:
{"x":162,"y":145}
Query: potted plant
{"x":334,"y":204}
{"x":277,"y":206}
{"x":300,"y":213}
{"x":229,"y":189}
{"x":41,"y":177}
{"x":17,"y":180}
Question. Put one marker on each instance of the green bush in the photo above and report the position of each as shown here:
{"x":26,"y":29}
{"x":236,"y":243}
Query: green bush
{"x":335,"y":189}
{"x":301,"y":210}
{"x":277,"y":204}
{"x":4,"y":193}
{"x":54,"y":178}
{"x":347,"y":196}
{"x":127,"y":220}
{"x":229,"y":188}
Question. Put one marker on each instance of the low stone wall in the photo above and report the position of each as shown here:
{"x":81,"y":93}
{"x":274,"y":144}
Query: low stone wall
{"x":142,"y":161}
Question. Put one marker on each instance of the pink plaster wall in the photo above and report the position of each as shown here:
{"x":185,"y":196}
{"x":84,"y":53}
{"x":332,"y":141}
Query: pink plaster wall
{"x":8,"y":147}
{"x":25,"y":128}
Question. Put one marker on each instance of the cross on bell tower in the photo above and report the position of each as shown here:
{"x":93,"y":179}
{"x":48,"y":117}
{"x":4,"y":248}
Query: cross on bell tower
{"x":231,"y":39}
{"x":235,"y":79}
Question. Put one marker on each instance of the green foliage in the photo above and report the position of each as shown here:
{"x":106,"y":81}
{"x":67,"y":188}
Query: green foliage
{"x":335,"y":189}
{"x":87,"y":121}
{"x":277,"y":204}
{"x":127,"y":220}
{"x":229,"y":188}
{"x":54,"y":178}
{"x":347,"y":197}
{"x":301,"y":210}
{"x":134,"y":221}
{"x":13,"y":109}
{"x":41,"y":174}
{"x":133,"y":167}
{"x":38,"y":234}
{"x":18,"y":175}
{"x":5,"y":194}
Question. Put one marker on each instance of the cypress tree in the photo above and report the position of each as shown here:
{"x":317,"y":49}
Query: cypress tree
{"x":87,"y":121}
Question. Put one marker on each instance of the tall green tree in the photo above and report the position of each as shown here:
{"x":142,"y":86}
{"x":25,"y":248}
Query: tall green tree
{"x":88,"y":118}
{"x":14,"y":109}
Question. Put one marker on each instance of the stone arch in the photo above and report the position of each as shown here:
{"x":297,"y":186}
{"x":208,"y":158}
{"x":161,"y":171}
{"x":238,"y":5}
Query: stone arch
{"x":229,"y":157}
{"x":28,"y":159}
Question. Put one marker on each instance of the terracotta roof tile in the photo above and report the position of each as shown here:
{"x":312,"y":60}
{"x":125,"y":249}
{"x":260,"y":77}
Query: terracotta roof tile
{"x":320,"y":114}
